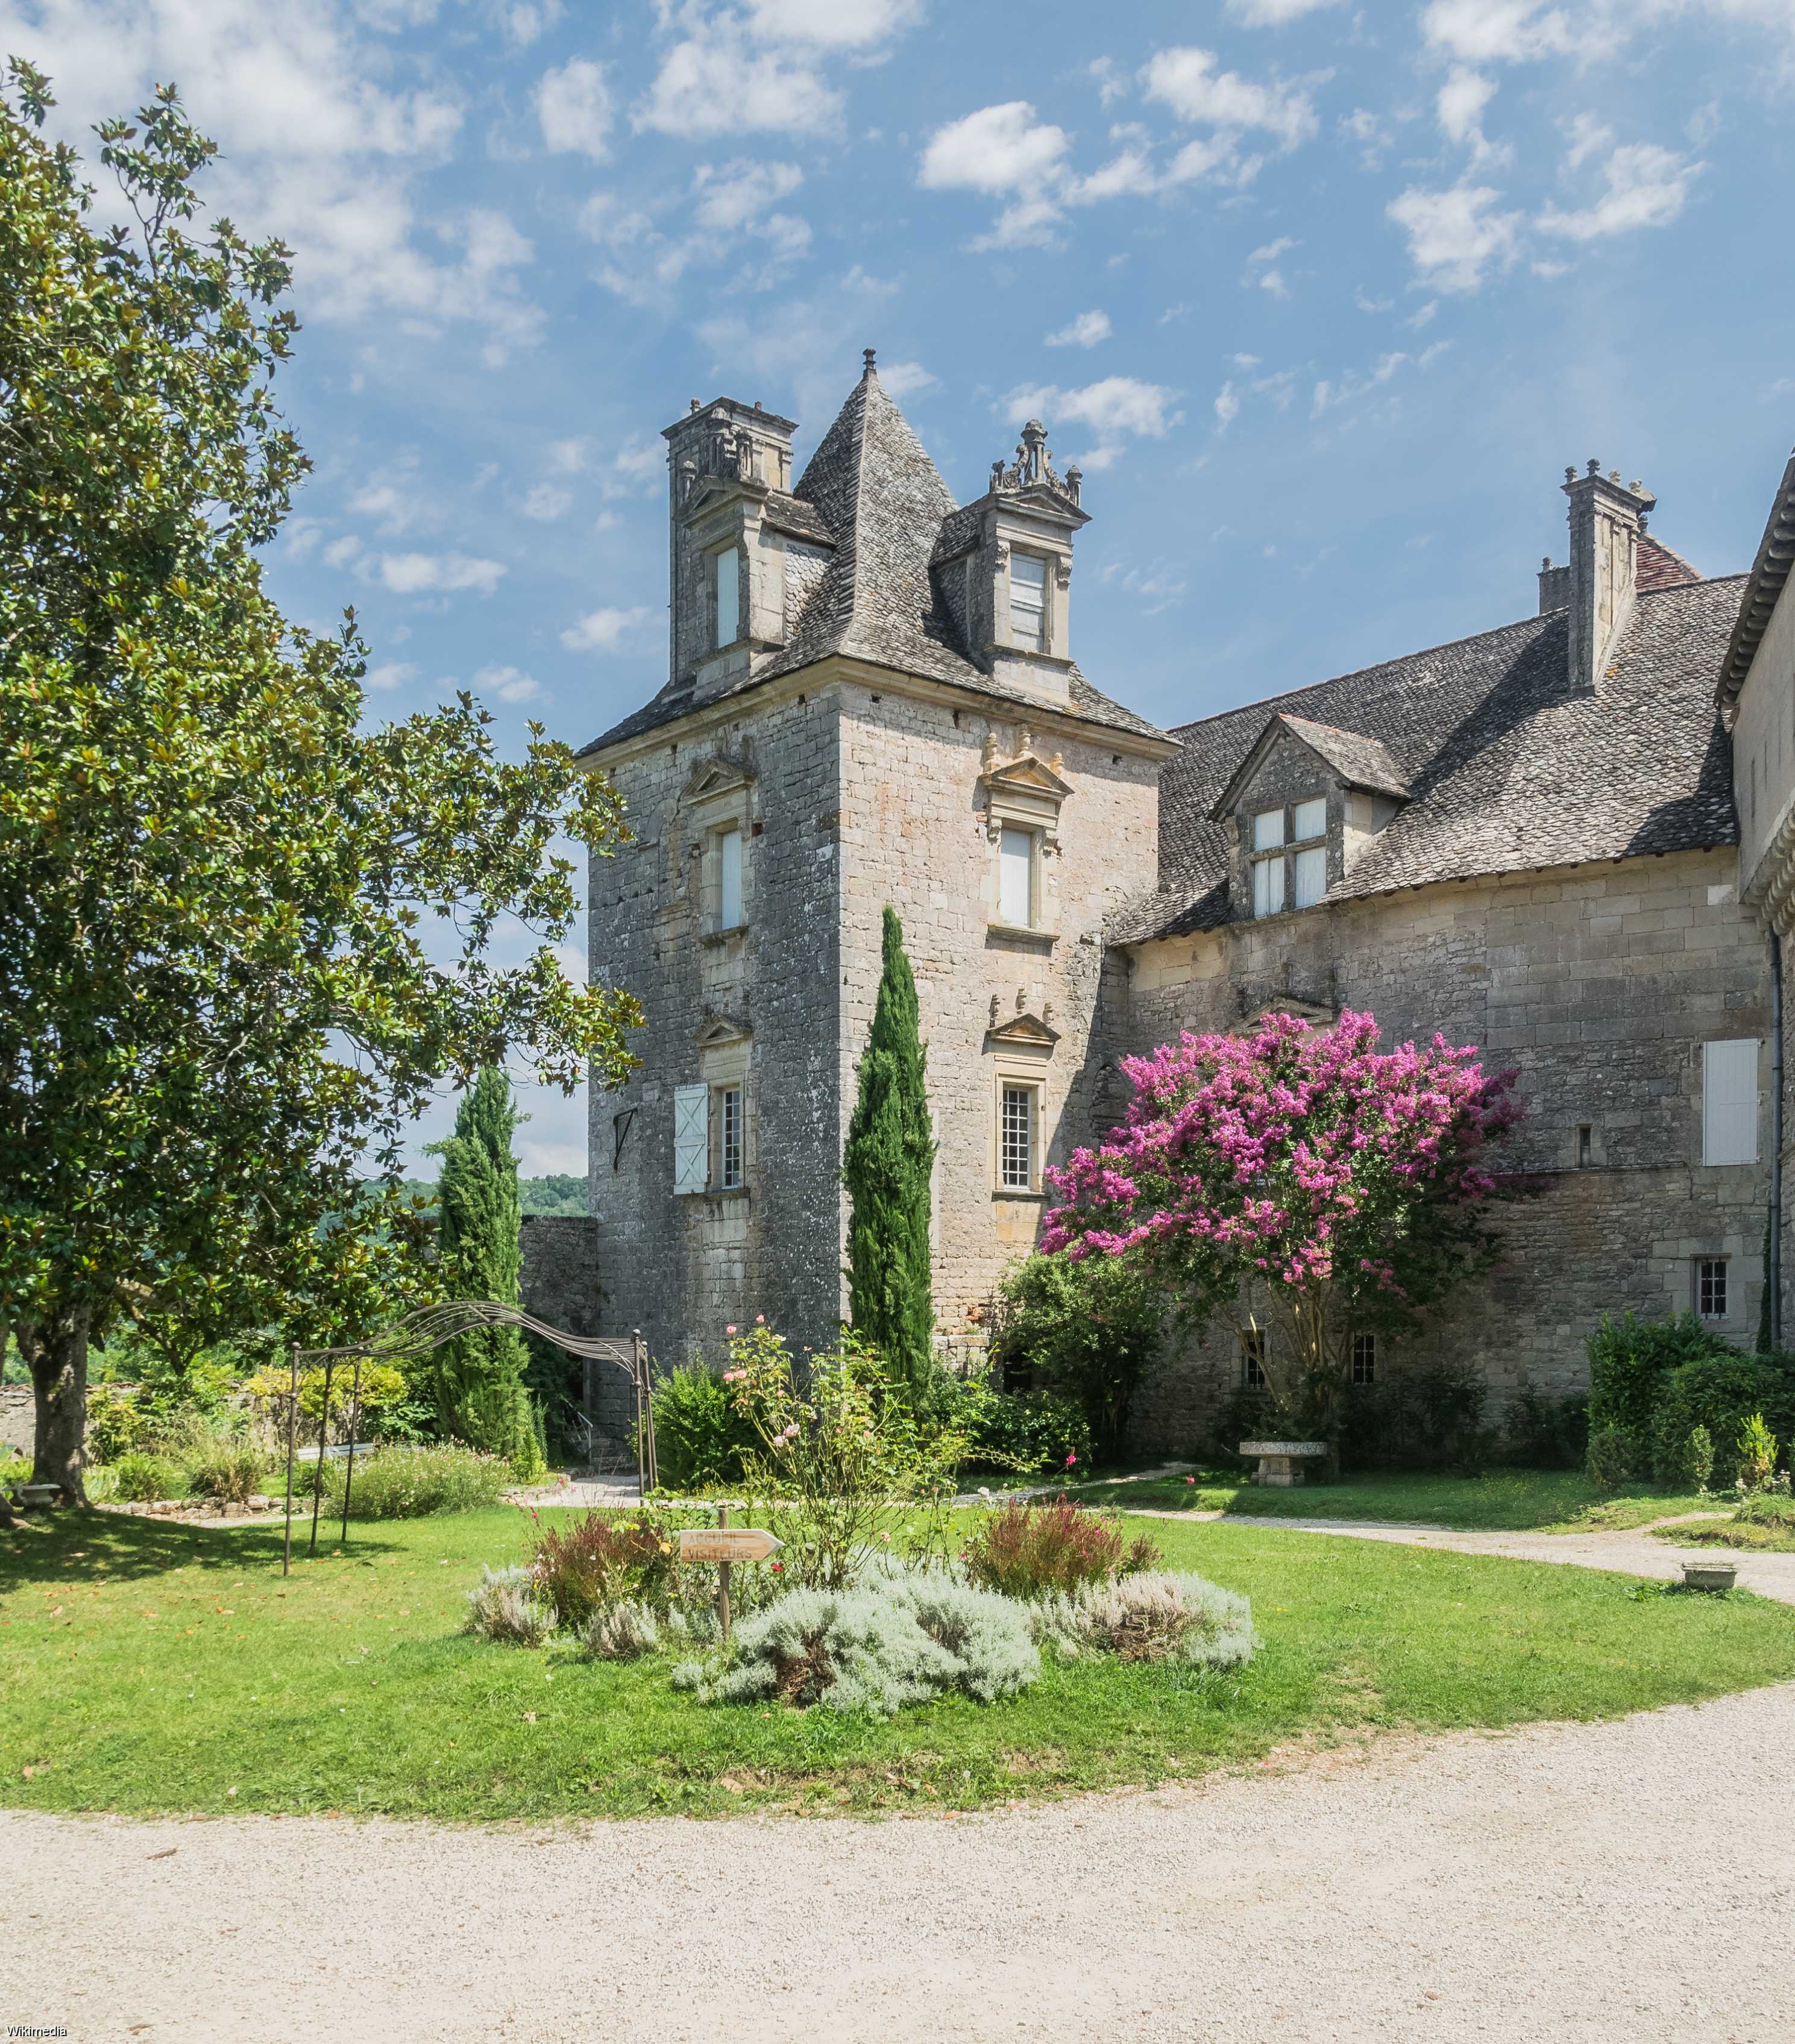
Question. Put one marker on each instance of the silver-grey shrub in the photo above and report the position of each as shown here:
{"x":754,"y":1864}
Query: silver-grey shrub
{"x":902,"y":1638}
{"x":623,"y":1631}
{"x":503,"y":1606}
{"x":1156,"y":1615}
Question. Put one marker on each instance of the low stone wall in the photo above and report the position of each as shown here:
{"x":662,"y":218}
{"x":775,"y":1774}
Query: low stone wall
{"x":18,"y":1415}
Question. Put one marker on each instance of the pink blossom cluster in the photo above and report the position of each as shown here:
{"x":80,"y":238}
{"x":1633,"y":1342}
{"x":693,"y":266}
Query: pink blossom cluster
{"x":1295,"y":1155}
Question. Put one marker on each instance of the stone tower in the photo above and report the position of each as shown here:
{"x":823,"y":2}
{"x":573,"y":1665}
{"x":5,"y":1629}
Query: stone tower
{"x":871,"y":697}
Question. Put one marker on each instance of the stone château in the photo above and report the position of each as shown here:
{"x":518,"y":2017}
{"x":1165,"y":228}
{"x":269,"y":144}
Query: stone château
{"x":1525,"y":839}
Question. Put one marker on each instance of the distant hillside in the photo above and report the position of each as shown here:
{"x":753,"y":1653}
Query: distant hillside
{"x":559,"y":1194}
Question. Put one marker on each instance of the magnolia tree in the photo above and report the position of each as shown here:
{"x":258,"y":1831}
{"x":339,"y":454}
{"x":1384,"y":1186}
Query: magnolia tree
{"x":1302,"y":1177}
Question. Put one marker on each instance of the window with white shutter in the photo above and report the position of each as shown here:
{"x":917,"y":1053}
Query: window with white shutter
{"x":1729,"y":1101}
{"x":691,"y":1138}
{"x":729,"y":597}
{"x":1312,"y":875}
{"x":1027,"y":601}
{"x":729,"y":879}
{"x":1016,"y":876}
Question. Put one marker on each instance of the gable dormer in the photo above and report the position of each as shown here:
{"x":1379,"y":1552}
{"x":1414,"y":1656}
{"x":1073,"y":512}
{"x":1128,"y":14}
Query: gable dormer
{"x":730,"y":474}
{"x":1299,"y":809}
{"x":1004,"y":564}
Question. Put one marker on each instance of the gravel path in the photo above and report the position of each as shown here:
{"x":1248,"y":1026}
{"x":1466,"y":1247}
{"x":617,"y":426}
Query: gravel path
{"x":1621,"y":1883}
{"x":1632,"y":1554}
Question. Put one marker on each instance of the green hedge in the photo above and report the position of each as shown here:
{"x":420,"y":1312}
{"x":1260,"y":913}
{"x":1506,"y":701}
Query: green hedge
{"x":1653,"y":1382}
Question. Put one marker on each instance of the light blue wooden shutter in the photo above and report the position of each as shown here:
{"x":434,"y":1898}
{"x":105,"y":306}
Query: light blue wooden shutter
{"x":691,"y":1138}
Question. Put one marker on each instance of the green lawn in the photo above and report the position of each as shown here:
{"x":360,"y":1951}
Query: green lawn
{"x":145,"y":1666}
{"x":1510,"y":1500}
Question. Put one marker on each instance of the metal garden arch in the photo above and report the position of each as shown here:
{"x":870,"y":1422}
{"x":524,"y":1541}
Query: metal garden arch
{"x":426,"y":1328}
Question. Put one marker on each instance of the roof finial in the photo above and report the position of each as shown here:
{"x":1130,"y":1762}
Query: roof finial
{"x":870,"y":355}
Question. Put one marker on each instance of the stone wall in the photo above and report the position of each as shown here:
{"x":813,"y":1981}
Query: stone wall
{"x":18,"y":1415}
{"x":1600,"y":983}
{"x":914,"y":835}
{"x":681,"y":1267}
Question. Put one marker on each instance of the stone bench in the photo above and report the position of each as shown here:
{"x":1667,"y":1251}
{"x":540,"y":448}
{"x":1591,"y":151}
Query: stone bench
{"x":1284,"y":1463}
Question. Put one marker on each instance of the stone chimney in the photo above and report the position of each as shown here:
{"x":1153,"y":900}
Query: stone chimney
{"x":1607,"y":517}
{"x":727,"y":574}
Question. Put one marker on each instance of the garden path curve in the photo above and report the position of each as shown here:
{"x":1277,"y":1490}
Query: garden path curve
{"x":1635,"y":1553}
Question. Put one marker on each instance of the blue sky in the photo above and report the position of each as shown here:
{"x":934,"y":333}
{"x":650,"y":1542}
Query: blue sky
{"x":1323,"y":300}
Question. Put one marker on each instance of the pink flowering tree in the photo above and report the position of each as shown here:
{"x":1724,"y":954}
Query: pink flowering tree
{"x":1302,"y":1178}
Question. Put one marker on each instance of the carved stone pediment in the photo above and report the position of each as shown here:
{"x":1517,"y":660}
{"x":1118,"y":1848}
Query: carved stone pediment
{"x":720,"y":776}
{"x":718,"y":1029}
{"x":1029,"y":774}
{"x":1323,"y":1014}
{"x":1022,"y":1033}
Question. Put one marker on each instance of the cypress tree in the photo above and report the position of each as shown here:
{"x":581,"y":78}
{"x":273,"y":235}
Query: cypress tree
{"x":886,"y":1166}
{"x":481,"y":1396}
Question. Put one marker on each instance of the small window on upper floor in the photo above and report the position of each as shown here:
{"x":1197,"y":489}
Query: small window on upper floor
{"x":1015,"y":1139}
{"x":1365,"y":1358}
{"x":1289,"y":857}
{"x":1711,"y":1287}
{"x":728,"y":582}
{"x":1027,"y":601}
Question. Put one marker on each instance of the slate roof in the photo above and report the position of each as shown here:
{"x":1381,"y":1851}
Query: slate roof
{"x":1769,"y":572}
{"x":1509,"y":767}
{"x":872,"y":493}
{"x":1359,"y":761}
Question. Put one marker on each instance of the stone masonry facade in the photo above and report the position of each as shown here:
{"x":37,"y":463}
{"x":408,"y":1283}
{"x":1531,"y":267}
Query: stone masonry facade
{"x":1525,"y":840}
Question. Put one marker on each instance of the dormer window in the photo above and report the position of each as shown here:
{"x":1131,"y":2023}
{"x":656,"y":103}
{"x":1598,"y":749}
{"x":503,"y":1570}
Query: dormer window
{"x":1290,"y":856}
{"x":727,"y":576}
{"x":1028,"y":602}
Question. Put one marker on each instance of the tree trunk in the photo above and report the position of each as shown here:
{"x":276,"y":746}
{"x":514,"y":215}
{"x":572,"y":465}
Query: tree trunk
{"x":56,"y":1352}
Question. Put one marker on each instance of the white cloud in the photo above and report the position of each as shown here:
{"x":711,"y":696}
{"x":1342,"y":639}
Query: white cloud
{"x":1497,"y":31}
{"x":426,"y":574}
{"x":510,"y":684}
{"x":317,"y":144}
{"x":599,"y":631}
{"x":1227,"y":407}
{"x":389,"y":674}
{"x":387,"y":499}
{"x":1647,"y":186}
{"x":1274,"y":13}
{"x":1086,"y":330}
{"x":904,"y":379}
{"x":1371,"y":132}
{"x":1589,"y":137}
{"x":1270,"y":250}
{"x":997,"y":149}
{"x":524,"y":22}
{"x":568,"y":457}
{"x":728,"y":197}
{"x":1158,"y":585}
{"x":1030,"y":223}
{"x":1273,"y":281}
{"x":1454,"y":235}
{"x":636,"y":468}
{"x":1111,"y":86}
{"x":546,"y":502}
{"x":714,"y":83}
{"x":833,"y":24}
{"x":573,"y":106}
{"x":1459,"y":108}
{"x":1094,"y":460}
{"x":1115,"y":404}
{"x":1366,"y":303}
{"x":1187,"y":81}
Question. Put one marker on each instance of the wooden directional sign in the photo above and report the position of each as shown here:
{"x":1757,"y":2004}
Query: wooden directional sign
{"x":727,"y":1543}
